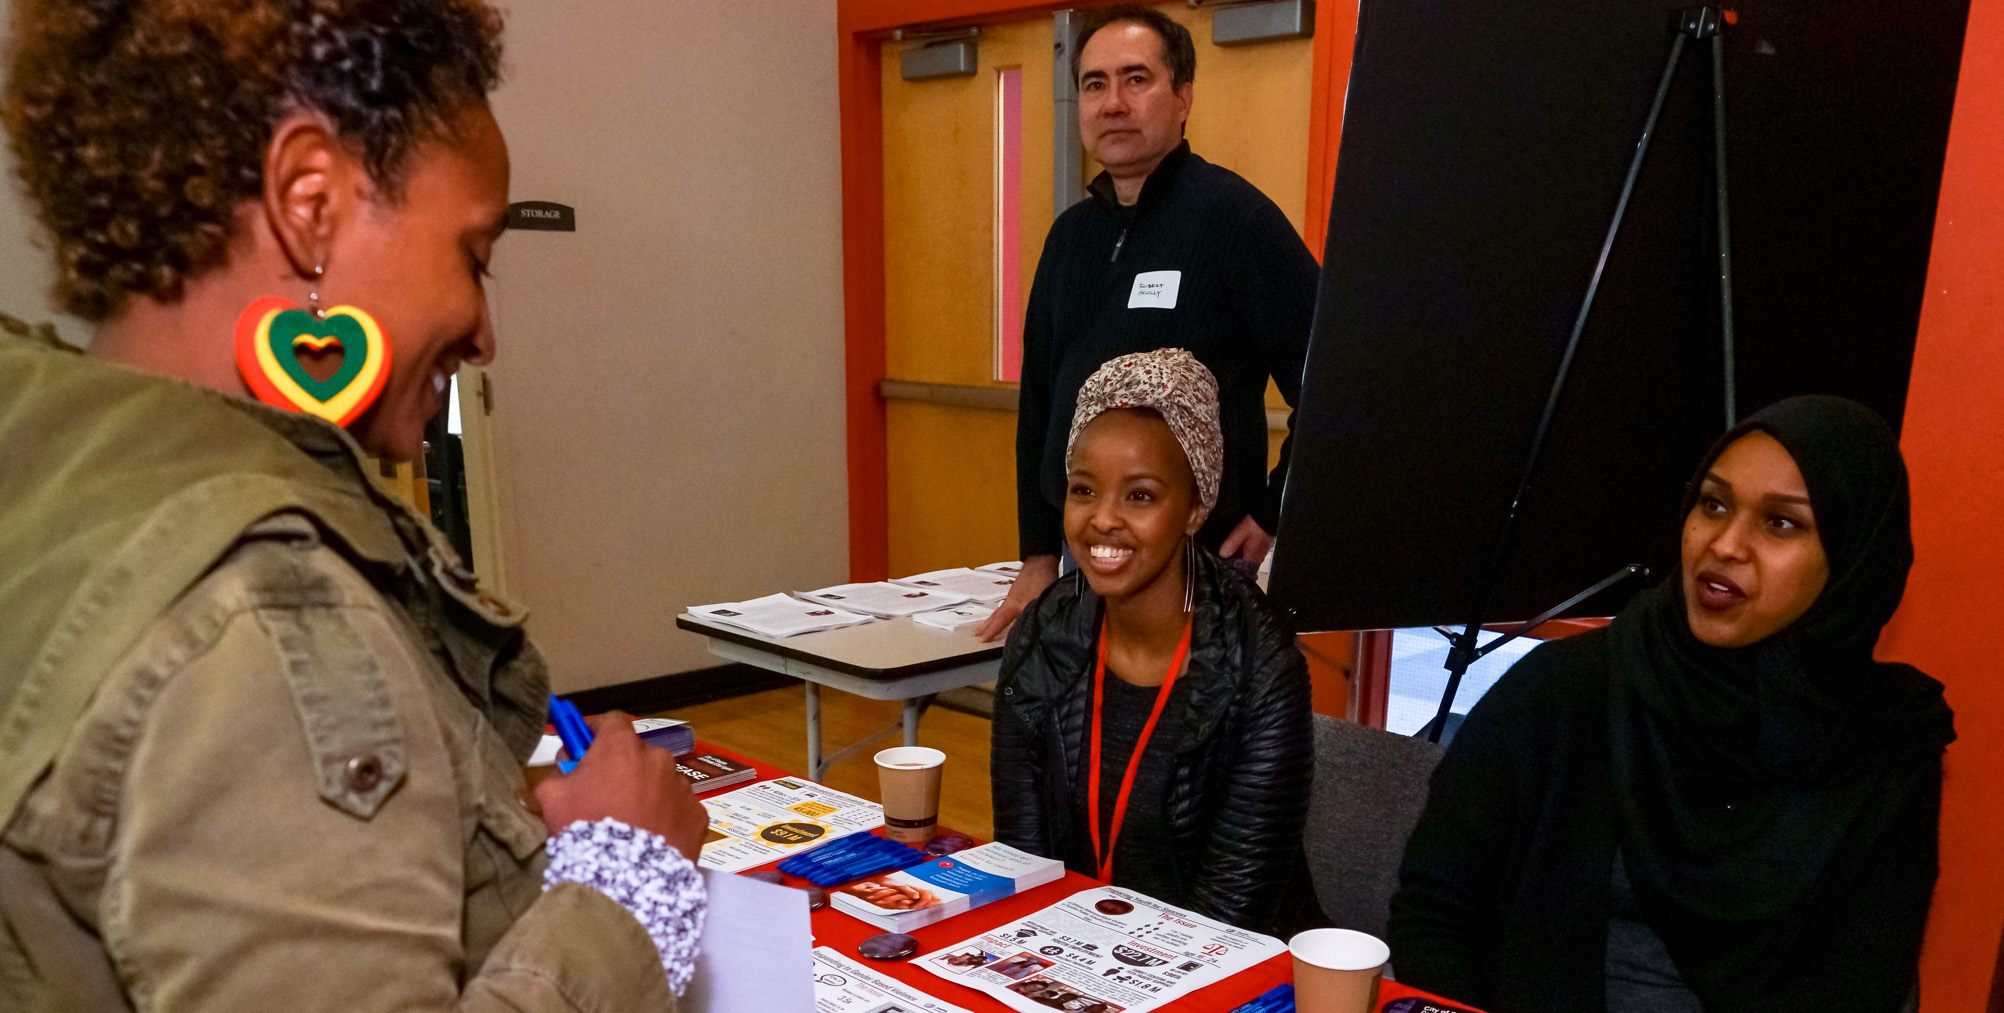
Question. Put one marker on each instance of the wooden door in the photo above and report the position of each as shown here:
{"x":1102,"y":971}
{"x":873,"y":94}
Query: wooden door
{"x":950,"y":416}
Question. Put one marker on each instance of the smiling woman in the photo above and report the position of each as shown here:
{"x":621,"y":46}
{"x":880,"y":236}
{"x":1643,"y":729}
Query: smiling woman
{"x":285,"y":702}
{"x":1180,"y":768}
{"x":1740,"y":804}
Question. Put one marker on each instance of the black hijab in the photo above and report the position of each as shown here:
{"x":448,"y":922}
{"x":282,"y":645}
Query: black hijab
{"x":1748,"y":781}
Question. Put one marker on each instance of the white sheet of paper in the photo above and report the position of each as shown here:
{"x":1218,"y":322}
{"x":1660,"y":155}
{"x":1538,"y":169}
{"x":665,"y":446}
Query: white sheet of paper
{"x":758,"y":949}
{"x":1155,"y":290}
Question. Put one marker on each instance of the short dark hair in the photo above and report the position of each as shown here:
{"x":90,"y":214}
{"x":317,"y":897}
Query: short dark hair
{"x":1177,"y":46}
{"x":142,"y":124}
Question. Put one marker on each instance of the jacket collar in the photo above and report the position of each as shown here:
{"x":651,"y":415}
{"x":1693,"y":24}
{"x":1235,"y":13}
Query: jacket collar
{"x":1153,"y":189}
{"x":1210,"y":680}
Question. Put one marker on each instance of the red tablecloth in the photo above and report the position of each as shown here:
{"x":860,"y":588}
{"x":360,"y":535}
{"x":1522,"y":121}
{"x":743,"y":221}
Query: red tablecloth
{"x":834,"y":929}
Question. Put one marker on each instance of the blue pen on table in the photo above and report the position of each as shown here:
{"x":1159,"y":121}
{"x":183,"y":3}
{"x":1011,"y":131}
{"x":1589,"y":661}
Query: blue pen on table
{"x":572,"y":729}
{"x":1279,"y":999}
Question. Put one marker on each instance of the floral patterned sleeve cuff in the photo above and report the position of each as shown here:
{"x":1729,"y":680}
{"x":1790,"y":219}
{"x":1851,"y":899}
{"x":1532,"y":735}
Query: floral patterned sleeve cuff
{"x":646,"y":876}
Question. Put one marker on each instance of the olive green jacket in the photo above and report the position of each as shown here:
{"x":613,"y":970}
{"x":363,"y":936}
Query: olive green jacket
{"x":261,"y":735}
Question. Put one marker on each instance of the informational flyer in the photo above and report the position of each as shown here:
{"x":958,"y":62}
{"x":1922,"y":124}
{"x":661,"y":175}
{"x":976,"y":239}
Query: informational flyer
{"x":843,"y":986}
{"x":1104,"y":950}
{"x":771,"y":820}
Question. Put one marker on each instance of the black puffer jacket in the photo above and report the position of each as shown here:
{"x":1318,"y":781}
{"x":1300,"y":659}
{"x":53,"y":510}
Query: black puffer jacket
{"x":1244,"y":746}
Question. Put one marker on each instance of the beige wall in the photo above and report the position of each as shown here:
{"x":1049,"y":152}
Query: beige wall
{"x":26,"y":267}
{"x":668,"y":418}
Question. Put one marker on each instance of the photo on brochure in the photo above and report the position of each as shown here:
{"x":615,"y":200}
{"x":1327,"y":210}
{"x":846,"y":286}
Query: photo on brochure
{"x":880,"y":890}
{"x":959,"y":961}
{"x":1020,"y":965}
{"x":1057,"y":995}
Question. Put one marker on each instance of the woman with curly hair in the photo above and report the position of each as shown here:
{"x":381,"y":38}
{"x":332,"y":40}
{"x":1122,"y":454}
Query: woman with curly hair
{"x":263,"y":732}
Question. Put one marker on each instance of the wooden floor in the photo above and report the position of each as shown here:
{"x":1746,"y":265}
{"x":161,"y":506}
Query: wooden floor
{"x":772,"y":727}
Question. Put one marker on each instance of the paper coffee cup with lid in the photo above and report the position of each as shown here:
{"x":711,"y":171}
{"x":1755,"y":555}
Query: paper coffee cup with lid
{"x":909,"y":777}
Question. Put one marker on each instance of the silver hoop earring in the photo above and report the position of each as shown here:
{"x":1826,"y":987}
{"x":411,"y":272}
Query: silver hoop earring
{"x":313,"y":294}
{"x":1189,"y":574}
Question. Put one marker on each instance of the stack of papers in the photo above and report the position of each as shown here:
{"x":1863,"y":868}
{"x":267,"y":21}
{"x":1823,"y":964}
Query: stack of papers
{"x":957,"y":617}
{"x":778,"y":615}
{"x":883,"y":598}
{"x":1012,"y":568}
{"x":906,"y":899}
{"x":984,"y":586}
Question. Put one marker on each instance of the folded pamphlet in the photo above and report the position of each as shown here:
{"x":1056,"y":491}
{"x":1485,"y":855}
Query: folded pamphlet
{"x":957,"y":617}
{"x":1012,"y":568}
{"x":778,"y":615}
{"x":678,"y":737}
{"x":674,"y":735}
{"x":883,"y":598}
{"x":983,"y":586}
{"x":774,"y":819}
{"x":710,"y":772}
{"x":1101,"y":949}
{"x":946,"y":886}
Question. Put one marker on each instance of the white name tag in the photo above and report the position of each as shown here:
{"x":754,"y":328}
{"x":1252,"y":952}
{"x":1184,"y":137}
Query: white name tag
{"x":1155,"y":290}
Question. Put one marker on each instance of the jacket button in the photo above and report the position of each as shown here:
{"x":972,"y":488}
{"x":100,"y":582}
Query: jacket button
{"x":364,"y":772}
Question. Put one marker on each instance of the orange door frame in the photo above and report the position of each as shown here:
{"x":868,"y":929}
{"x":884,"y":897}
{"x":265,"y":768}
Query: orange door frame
{"x":862,"y":27}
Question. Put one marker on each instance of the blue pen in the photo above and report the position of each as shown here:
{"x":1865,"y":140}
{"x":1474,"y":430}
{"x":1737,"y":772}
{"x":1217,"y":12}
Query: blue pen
{"x":572,"y":729}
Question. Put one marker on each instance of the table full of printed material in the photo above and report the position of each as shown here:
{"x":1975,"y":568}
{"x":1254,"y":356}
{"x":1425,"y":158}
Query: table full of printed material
{"x":908,"y":639}
{"x":1071,"y":944}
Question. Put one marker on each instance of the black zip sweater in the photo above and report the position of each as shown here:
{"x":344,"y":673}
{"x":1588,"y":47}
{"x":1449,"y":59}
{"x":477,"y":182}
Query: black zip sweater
{"x":1245,"y":299}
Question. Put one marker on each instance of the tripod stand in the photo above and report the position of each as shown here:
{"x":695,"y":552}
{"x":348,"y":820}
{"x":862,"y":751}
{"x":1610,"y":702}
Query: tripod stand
{"x":1701,"y":23}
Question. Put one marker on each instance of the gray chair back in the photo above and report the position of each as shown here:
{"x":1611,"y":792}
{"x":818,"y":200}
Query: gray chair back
{"x":1370,"y":786}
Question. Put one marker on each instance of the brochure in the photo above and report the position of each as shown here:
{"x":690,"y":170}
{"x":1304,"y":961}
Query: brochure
{"x":842,"y":985}
{"x":674,"y":735}
{"x":955,"y":618}
{"x":710,"y":772}
{"x":778,"y":615}
{"x":902,"y":901}
{"x":1105,"y":949}
{"x":770,"y":820}
{"x":883,"y":598}
{"x":984,"y":586}
{"x":1012,"y":568}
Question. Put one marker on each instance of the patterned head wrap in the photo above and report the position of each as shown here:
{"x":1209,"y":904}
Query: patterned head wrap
{"x":1172,"y":383}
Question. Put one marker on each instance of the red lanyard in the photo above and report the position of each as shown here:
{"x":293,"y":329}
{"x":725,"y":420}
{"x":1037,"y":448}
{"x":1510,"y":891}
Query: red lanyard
{"x":1104,"y":856}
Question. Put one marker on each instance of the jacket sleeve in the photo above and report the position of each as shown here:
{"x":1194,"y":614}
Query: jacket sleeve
{"x":1039,"y":525}
{"x":1867,"y":953}
{"x":291,"y":833}
{"x":1016,"y":750}
{"x":1255,"y":842}
{"x":1452,"y":874}
{"x":1276,"y":283}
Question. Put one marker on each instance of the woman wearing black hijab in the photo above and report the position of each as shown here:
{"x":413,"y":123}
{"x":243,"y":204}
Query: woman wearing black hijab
{"x":1720,"y":802}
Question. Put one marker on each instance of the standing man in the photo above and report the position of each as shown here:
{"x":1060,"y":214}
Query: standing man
{"x":1169,"y":251}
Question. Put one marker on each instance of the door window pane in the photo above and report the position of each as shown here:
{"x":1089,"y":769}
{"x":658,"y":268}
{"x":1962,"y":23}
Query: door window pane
{"x":1009,"y":223}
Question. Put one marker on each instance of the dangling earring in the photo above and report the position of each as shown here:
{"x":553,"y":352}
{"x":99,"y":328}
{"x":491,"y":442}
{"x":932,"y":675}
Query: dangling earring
{"x":313,"y":293}
{"x":272,"y":334}
{"x":1189,"y":573}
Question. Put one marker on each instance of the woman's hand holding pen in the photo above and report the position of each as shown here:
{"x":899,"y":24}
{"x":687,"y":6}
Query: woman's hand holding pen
{"x":628,"y":780}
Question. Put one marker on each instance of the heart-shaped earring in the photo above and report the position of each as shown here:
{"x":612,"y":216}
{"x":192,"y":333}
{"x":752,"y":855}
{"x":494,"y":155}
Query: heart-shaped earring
{"x":333,"y":366}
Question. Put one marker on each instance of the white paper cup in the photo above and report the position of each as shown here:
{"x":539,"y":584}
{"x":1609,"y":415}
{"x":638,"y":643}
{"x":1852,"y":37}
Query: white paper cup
{"x":1337,"y":970}
{"x":909,"y":777}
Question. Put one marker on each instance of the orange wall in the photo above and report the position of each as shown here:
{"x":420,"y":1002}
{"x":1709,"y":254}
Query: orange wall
{"x":1953,"y":437}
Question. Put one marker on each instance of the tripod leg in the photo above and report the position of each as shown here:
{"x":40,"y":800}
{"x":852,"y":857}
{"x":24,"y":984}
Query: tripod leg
{"x":1464,"y":652}
{"x":1725,"y":231}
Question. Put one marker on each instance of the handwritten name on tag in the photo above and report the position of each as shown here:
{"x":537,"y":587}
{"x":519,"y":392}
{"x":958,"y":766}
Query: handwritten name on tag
{"x":1155,"y":290}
